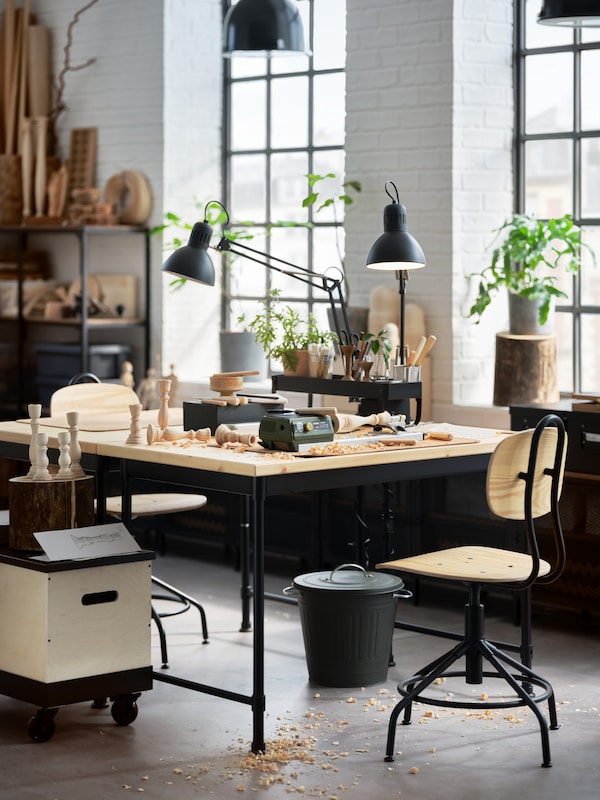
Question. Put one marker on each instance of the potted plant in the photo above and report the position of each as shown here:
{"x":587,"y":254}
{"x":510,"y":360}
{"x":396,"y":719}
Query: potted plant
{"x":524,"y":263}
{"x":380,"y":346}
{"x":284,"y":335}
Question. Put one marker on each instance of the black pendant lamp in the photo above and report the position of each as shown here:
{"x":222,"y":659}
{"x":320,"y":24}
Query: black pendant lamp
{"x":570,"y":13}
{"x":263,"y":27}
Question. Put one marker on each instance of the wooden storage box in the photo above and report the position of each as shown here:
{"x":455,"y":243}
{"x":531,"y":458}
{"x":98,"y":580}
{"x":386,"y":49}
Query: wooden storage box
{"x":64,"y":621}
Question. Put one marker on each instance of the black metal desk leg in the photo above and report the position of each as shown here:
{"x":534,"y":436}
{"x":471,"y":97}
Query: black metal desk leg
{"x":257,"y":518}
{"x":245,"y":588}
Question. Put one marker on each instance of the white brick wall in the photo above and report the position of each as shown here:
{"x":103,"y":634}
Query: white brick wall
{"x":154,"y":93}
{"x":429,"y":106}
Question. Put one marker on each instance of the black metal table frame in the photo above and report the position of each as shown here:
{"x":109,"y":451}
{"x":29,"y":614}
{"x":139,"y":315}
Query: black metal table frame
{"x":254,"y":491}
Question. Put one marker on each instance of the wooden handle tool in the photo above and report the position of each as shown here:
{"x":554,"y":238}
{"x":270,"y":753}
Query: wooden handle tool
{"x":443,"y":436}
{"x":235,"y":374}
{"x":418,"y":351}
{"x":431,"y":340}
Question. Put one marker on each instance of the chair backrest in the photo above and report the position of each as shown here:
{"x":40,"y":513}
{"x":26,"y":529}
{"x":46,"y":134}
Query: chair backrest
{"x":524,"y":482}
{"x":93,"y":397}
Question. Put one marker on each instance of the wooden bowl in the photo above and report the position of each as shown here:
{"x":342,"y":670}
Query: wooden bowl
{"x":226,"y":384}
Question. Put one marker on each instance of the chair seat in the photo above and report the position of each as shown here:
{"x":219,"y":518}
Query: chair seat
{"x":471,"y":564}
{"x":157,"y":503}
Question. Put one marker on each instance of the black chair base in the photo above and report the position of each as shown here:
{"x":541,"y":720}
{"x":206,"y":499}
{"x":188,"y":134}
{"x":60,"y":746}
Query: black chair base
{"x":186,"y":602}
{"x":477,"y":650}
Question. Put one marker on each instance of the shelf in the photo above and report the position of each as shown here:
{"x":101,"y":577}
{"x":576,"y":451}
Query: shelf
{"x":373,"y":396}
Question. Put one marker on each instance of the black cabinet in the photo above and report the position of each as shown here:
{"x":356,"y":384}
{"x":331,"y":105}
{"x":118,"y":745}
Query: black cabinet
{"x":39,"y":352}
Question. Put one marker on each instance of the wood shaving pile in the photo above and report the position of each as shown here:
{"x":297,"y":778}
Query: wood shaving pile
{"x":341,"y":449}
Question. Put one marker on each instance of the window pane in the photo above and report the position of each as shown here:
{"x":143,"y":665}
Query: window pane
{"x":329,"y":109}
{"x":290,"y":244}
{"x":330,"y":34}
{"x":244,"y":276}
{"x":248,"y":115}
{"x":328,"y":250}
{"x":288,"y":187}
{"x":590,"y":178}
{"x":289,"y":115}
{"x":590,"y":79}
{"x":248,"y":188}
{"x":537,"y":35}
{"x":242,"y":67}
{"x":564,"y":337}
{"x":548,"y":178}
{"x":590,"y":274}
{"x":549,"y":93}
{"x":590,"y":363}
{"x":323,"y":163}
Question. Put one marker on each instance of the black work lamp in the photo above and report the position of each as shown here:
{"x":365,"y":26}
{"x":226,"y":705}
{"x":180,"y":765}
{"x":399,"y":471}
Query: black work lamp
{"x":192,"y":262}
{"x":570,"y":13}
{"x":263,"y":27}
{"x":396,"y":250}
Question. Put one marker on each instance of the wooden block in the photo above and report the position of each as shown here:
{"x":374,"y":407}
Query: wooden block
{"x":82,"y":159}
{"x":526,"y":369}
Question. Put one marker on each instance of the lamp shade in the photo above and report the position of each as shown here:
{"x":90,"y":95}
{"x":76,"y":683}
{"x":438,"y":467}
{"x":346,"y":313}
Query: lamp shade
{"x":263,"y":27}
{"x":570,"y":13}
{"x":395,"y":249}
{"x":192,"y":262}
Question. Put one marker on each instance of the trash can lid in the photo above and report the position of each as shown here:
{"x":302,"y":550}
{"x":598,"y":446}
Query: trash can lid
{"x":349,"y":578}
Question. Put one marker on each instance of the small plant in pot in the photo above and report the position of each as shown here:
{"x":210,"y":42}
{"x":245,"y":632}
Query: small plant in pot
{"x":524,"y":264}
{"x":283,"y":334}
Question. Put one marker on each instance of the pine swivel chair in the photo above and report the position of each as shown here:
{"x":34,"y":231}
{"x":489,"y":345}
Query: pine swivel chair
{"x":524,"y":482}
{"x":88,"y":395}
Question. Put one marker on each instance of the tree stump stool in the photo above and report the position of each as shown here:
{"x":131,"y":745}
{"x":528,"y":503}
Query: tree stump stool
{"x":526,"y":369}
{"x":48,"y":506}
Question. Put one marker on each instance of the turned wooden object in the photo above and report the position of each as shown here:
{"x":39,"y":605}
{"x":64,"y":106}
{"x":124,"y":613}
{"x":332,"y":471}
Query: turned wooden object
{"x":226,"y":383}
{"x":47,"y":506}
{"x":154,"y":434}
{"x":224,"y":434}
{"x":526,"y":369}
{"x":347,"y":353}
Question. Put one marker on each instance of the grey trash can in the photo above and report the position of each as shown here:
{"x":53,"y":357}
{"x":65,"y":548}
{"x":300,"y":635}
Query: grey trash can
{"x":347,"y":617}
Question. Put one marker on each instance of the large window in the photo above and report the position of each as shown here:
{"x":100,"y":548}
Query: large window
{"x":284,"y":119}
{"x":558,"y":168}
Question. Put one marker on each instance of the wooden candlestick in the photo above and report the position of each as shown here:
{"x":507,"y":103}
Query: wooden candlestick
{"x":347,"y":353}
{"x":224,"y":435}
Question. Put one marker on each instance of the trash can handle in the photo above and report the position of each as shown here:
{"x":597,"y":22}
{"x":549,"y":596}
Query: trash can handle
{"x":348,"y":566}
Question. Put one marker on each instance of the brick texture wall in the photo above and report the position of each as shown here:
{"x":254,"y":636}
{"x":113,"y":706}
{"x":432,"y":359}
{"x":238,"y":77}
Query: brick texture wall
{"x":429,"y":106}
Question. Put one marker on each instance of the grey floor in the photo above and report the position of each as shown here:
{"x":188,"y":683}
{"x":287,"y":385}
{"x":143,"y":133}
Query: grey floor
{"x":187,"y":745}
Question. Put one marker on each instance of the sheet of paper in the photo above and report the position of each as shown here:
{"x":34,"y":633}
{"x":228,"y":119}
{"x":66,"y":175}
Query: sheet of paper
{"x":94,"y":541}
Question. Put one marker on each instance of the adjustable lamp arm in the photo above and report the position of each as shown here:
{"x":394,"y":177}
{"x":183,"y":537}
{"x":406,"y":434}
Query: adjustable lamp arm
{"x":333,"y":286}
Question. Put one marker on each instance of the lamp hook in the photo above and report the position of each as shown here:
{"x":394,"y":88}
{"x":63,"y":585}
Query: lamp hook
{"x":216,"y":203}
{"x":387,"y":191}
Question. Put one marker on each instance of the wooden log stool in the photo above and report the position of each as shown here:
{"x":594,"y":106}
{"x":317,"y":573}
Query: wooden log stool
{"x":526,"y":369}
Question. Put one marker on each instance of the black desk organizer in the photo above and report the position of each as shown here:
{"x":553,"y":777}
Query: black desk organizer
{"x":372,"y":396}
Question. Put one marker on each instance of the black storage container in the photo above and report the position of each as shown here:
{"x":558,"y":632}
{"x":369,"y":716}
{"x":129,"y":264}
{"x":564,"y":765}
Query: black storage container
{"x":347,"y":618}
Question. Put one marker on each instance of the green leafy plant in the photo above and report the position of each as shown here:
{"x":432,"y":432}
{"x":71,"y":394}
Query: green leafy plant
{"x":380,"y":345}
{"x":524,"y":260}
{"x":282,"y":332}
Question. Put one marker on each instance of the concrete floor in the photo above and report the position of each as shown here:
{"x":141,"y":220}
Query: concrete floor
{"x":187,"y":745}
